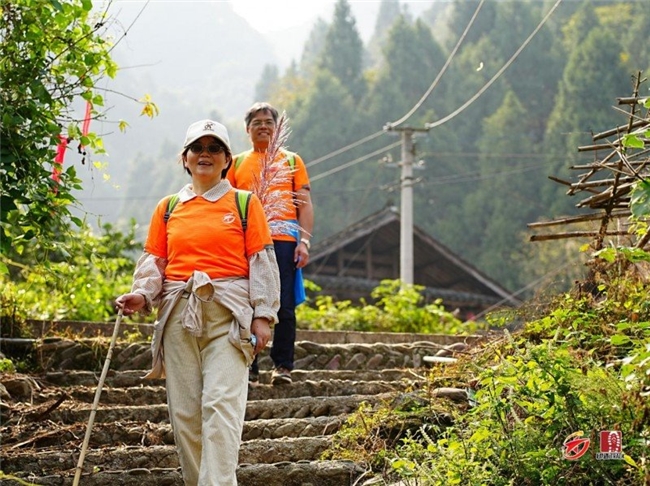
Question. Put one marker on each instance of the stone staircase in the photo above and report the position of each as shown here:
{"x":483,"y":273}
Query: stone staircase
{"x":287,"y":428}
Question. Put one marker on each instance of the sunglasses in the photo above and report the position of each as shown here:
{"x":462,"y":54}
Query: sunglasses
{"x":213,"y":148}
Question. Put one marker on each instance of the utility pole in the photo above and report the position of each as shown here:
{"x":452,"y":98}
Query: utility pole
{"x":406,"y":199}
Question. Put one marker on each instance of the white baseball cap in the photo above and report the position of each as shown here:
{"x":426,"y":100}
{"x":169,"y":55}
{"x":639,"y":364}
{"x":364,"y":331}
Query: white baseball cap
{"x":207,"y":127}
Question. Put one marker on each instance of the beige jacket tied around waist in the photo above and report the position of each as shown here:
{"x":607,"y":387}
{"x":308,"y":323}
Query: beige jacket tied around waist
{"x":232,"y":293}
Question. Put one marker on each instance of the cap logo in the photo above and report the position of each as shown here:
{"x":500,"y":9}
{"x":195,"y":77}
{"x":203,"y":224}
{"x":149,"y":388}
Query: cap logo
{"x":209,"y":126}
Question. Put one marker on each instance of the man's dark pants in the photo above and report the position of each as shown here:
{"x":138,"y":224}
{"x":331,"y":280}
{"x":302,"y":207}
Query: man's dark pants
{"x":284,"y":334}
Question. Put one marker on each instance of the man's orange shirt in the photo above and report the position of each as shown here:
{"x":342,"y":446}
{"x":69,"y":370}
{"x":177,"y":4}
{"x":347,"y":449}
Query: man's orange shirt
{"x":207,"y":236}
{"x":246,"y":176}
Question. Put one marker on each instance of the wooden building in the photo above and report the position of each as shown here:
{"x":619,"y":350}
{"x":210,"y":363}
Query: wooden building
{"x":350,"y":264}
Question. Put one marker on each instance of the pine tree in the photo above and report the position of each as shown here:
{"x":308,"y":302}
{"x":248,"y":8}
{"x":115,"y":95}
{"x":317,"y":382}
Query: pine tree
{"x":593,"y":78}
{"x":266,"y":84}
{"x":389,"y":12}
{"x":343,"y":51}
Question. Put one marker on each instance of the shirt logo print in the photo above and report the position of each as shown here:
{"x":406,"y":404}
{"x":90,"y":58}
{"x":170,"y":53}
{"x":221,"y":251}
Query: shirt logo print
{"x":229,"y":218}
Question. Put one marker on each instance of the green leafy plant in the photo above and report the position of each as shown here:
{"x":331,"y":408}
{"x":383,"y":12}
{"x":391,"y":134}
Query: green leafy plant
{"x":52,"y":54}
{"x":584,"y":366}
{"x":9,"y":477}
{"x":7,"y":366}
{"x":79,"y":283}
{"x":397,"y":308}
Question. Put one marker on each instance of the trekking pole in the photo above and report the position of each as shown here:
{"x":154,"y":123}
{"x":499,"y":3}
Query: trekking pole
{"x":100,"y":385}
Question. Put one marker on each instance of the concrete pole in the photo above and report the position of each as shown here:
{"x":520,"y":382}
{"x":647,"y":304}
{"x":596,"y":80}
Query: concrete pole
{"x":406,"y":211}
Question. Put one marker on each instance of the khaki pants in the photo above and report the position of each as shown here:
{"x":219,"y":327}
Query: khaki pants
{"x":207,"y":387}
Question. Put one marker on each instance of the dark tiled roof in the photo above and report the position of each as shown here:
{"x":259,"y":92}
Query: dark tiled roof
{"x":436,"y":267}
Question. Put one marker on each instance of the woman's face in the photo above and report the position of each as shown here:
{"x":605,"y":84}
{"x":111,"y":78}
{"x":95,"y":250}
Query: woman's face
{"x":206,"y":159}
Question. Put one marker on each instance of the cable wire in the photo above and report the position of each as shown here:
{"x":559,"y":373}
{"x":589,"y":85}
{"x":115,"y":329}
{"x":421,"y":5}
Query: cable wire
{"x":418,"y":104}
{"x":448,"y":117}
{"x":354,"y":162}
{"x":442,"y":71}
{"x":498,"y":74}
{"x":344,"y":149}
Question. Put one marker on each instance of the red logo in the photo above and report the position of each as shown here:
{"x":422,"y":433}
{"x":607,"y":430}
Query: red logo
{"x":611,"y":445}
{"x":611,"y":441}
{"x":575,"y":446}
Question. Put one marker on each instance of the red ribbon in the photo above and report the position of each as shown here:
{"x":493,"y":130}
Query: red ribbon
{"x":63,"y":144}
{"x":58,"y":160}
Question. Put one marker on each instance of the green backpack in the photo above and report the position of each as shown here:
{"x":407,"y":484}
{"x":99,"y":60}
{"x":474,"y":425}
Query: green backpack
{"x":242,"y":198}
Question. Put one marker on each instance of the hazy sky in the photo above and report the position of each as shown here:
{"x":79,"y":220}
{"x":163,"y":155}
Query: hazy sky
{"x":269,"y":15}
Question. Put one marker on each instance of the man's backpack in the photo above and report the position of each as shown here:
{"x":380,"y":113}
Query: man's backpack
{"x":242,"y":198}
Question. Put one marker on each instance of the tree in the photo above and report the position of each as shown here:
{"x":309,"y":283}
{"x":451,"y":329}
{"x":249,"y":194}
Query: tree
{"x":52,"y":54}
{"x":389,"y":12}
{"x":583,"y":106}
{"x":267,"y":81}
{"x":343,"y":51}
{"x":533,"y":86}
{"x":488,"y":225}
{"x":411,"y":61}
{"x":462,"y":12}
{"x":313,"y":48}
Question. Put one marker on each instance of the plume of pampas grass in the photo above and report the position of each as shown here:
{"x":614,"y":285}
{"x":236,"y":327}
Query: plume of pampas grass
{"x":274,"y":173}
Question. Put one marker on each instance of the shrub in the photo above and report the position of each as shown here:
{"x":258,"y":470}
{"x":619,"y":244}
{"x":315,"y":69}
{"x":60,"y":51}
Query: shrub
{"x":398,"y":308}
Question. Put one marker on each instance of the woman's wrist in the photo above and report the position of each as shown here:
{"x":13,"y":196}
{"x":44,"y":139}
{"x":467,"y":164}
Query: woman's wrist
{"x":263,"y":319}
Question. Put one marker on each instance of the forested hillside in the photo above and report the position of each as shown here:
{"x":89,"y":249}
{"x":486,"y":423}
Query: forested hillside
{"x":486,"y":159}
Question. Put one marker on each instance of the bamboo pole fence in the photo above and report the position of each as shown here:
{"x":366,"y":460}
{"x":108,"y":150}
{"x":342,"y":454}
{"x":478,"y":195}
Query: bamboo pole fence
{"x":607,"y":182}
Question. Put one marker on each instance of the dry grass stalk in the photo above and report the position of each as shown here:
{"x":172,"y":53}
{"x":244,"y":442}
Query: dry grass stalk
{"x":275,"y":173}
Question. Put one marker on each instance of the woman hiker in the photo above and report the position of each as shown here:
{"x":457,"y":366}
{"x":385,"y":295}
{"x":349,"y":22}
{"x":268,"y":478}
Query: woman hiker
{"x":209,"y":267}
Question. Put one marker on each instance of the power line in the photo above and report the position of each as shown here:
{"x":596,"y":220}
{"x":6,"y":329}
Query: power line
{"x":451,"y":115}
{"x":498,"y":74}
{"x":417,"y":105}
{"x":354,"y":162}
{"x":442,"y":71}
{"x":344,"y":149}
{"x":477,"y":176}
{"x":471,"y":176}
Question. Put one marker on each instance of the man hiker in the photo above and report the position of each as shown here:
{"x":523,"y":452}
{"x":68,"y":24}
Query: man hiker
{"x":292,"y":247}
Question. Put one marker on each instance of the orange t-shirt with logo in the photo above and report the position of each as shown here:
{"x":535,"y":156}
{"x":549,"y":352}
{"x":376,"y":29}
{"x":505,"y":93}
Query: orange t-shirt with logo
{"x":246,"y":176}
{"x":207,"y":236}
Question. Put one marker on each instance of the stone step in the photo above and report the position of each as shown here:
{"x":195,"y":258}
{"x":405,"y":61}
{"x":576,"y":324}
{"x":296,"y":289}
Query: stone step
{"x":44,"y":330}
{"x":127,"y":457}
{"x":88,"y":354}
{"x":286,"y":431}
{"x":133,"y":378}
{"x":38,"y":436}
{"x":303,"y":473}
{"x":150,"y":395}
{"x":280,"y":408}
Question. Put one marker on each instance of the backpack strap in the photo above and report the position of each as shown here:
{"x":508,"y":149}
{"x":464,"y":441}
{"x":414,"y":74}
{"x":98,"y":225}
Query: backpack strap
{"x":171,"y":204}
{"x":242,"y":199}
{"x":291,"y":159}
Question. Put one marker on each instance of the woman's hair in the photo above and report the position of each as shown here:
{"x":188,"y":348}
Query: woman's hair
{"x":256,"y":108}
{"x":226,"y":150}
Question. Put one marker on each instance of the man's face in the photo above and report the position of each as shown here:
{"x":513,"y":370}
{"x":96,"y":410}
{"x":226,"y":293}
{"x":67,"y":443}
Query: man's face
{"x":261,"y":129}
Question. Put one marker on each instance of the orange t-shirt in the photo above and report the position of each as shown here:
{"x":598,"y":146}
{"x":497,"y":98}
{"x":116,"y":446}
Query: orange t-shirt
{"x":207,"y":236}
{"x":246,"y":176}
